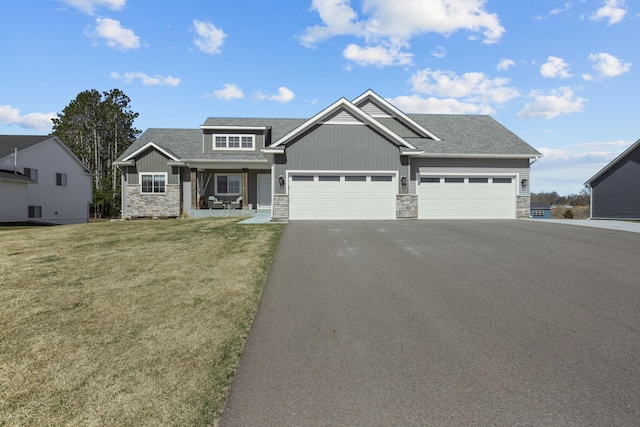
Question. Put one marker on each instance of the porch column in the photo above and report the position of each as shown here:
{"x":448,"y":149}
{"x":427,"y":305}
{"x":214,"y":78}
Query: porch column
{"x":245,"y":188}
{"x":194,"y":189}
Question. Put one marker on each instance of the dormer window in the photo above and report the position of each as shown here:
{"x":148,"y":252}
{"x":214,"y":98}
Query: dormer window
{"x":234,"y":142}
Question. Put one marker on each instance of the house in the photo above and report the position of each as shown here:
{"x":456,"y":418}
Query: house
{"x":540,"y":211}
{"x":615,"y":190}
{"x":359,"y":159}
{"x":41,"y":180}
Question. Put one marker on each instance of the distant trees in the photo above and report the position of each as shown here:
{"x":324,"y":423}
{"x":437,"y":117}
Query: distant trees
{"x":553,"y":198}
{"x":97,"y":128}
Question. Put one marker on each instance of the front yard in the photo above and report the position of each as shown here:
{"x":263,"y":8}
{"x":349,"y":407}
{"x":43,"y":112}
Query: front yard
{"x":126,"y":323}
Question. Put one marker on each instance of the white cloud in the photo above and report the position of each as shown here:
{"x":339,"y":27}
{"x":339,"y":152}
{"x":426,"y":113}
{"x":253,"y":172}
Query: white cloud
{"x":146,"y":79}
{"x":474,"y":87}
{"x":608,"y":65}
{"x":439,"y":52}
{"x":284,"y":95}
{"x":228,"y":92}
{"x":389,"y":25}
{"x":505,"y":64}
{"x":35,"y":121}
{"x":115,"y":35}
{"x":613,"y":10}
{"x":378,"y":55}
{"x":209,"y":39}
{"x":90,"y":6}
{"x":548,"y":106}
{"x":555,"y":68}
{"x":431,"y":105}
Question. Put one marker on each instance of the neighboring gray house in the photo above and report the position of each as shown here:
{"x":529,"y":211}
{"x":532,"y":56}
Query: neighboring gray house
{"x":360,"y":159}
{"x":615,"y":190}
{"x":41,"y":180}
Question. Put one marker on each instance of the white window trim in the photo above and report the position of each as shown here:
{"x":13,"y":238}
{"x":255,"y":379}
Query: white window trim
{"x":63,"y":179}
{"x":215,"y":184}
{"x":227,"y":148}
{"x":166,"y":182}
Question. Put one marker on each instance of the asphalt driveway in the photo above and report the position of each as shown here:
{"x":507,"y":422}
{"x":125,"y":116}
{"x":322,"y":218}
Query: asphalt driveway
{"x":444,"y":322}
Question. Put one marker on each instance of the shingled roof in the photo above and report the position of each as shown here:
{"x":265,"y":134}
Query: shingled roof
{"x":9,"y":143}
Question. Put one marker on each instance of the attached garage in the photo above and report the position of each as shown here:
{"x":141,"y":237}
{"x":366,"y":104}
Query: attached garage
{"x":314,"y":196}
{"x":467,"y":197}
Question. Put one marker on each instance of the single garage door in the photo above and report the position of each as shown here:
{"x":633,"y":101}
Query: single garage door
{"x":342,"y":196}
{"x":466,"y":197}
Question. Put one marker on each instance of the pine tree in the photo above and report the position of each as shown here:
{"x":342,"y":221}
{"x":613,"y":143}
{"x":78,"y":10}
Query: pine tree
{"x":97,"y":128}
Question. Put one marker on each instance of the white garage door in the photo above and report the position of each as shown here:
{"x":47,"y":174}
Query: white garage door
{"x":342,"y":196}
{"x":466,"y":197}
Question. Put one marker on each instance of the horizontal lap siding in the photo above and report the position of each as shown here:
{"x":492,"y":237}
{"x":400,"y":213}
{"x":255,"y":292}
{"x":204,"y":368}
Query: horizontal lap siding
{"x":616,"y":194}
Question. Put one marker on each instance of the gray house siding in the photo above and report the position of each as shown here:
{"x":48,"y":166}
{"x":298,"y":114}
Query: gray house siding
{"x":340,"y":148}
{"x":616,"y":194}
{"x":398,"y":127}
{"x":152,"y":161}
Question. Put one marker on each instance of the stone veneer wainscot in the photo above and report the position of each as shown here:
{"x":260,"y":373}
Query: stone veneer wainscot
{"x":153,"y":205}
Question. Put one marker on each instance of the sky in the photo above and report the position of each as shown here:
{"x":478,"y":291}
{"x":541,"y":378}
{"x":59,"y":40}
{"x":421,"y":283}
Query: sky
{"x":561,"y":74}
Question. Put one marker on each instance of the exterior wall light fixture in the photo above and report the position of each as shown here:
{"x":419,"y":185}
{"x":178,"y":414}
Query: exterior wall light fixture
{"x":403,"y":181}
{"x":281,"y":181}
{"x":524,"y":184}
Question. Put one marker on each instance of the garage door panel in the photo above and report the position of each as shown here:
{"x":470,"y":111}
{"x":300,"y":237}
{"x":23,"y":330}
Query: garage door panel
{"x":473,"y":198}
{"x":359,"y":197}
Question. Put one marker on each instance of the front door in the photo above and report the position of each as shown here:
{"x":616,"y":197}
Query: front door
{"x":264,"y":191}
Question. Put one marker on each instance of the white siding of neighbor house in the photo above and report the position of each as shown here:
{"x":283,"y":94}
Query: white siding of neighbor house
{"x":16,"y":210}
{"x":60,"y":205}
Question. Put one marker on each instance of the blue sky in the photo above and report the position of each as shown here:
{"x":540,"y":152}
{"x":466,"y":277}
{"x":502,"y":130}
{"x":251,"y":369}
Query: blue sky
{"x":563,"y":75}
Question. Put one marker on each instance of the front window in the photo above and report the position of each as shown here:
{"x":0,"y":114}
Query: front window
{"x":35,"y":211}
{"x":233,"y":142}
{"x":153,"y":183}
{"x":228,"y":185}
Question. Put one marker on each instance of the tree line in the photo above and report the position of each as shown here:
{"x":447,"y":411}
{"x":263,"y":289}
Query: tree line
{"x":581,"y":199}
{"x":97,"y":128}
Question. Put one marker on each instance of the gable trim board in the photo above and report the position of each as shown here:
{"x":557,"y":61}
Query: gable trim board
{"x":359,"y":159}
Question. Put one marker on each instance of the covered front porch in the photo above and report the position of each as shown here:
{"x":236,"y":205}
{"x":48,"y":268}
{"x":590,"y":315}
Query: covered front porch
{"x":225,"y":192}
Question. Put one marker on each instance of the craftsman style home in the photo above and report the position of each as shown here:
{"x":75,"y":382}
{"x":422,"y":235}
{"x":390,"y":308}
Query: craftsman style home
{"x":42,"y":181}
{"x":359,"y":159}
{"x":615,"y":190}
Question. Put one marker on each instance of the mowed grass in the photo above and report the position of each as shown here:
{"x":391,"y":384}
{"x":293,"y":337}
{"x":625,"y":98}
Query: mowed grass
{"x":126,"y":323}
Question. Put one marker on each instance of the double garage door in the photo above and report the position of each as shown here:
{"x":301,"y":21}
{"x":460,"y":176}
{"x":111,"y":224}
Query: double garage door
{"x":467,"y":197}
{"x":342,"y":196}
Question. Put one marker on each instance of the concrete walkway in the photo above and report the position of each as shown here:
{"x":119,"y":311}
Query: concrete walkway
{"x":630,"y":226}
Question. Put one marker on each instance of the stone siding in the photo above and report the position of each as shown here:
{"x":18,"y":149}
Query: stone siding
{"x":406,"y":206}
{"x":152,"y":205}
{"x":524,"y":207}
{"x":280,"y":206}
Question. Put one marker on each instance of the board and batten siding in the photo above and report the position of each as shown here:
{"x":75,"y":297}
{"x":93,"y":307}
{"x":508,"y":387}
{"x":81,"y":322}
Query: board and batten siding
{"x":334,"y":147}
{"x":152,"y":161}
{"x":489,"y":167}
{"x":616,"y":194}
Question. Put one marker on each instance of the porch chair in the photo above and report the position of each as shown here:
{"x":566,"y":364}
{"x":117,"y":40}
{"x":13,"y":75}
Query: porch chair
{"x":214,"y":203}
{"x":236,"y":204}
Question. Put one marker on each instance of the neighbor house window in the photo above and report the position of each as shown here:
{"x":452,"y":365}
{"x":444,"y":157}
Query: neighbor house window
{"x":31,"y":174}
{"x":153,"y":183}
{"x":538,"y":212}
{"x":233,"y":142}
{"x":228,"y":185}
{"x":61,"y":179}
{"x":35,"y":211}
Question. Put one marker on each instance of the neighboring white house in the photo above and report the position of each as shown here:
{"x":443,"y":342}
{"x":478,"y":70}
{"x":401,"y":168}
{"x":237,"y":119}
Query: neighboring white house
{"x":41,"y":180}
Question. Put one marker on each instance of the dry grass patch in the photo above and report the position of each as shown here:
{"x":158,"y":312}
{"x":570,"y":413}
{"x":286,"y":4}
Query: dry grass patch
{"x":127,"y":323}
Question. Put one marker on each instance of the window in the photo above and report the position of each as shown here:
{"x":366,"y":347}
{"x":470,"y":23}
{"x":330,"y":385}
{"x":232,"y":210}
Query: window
{"x":355,"y":178}
{"x":228,"y":185}
{"x":61,"y":179}
{"x":31,"y":174}
{"x":329,"y":178}
{"x":153,"y":183}
{"x":473,"y":180}
{"x":430,"y":180}
{"x":35,"y":211}
{"x":454,"y":180}
{"x":302,"y":178}
{"x":376,"y":178}
{"x":538,"y":212}
{"x":502,"y":180}
{"x":233,"y":142}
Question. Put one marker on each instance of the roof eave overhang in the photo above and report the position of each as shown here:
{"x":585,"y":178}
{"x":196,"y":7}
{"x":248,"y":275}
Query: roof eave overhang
{"x":474,"y":156}
{"x":148,"y":145}
{"x":205,"y":127}
{"x":124,"y":163}
{"x":612,"y":163}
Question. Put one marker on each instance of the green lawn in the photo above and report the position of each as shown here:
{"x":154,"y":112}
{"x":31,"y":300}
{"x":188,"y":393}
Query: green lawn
{"x":126,"y":323}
